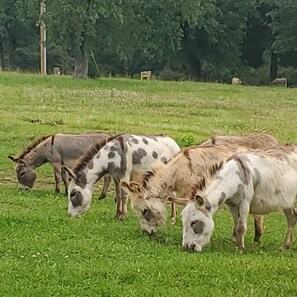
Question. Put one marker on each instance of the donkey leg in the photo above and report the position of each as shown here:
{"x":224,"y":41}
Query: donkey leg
{"x":291,"y":215}
{"x":65,"y":179}
{"x":57,"y":174}
{"x":243,"y":212}
{"x":118,"y":214}
{"x":234,"y":212}
{"x":173,"y":213}
{"x":259,"y":227}
{"x":124,"y":206}
{"x":106,"y":183}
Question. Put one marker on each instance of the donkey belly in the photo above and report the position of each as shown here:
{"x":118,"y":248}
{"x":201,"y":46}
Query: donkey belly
{"x":276,"y":202}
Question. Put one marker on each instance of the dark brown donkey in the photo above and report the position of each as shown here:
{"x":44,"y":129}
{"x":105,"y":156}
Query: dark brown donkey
{"x":57,"y":149}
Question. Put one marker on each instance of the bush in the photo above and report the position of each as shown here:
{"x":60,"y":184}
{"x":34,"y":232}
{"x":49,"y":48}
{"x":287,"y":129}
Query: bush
{"x":290,"y":74}
{"x":168,"y":74}
{"x":187,"y":140}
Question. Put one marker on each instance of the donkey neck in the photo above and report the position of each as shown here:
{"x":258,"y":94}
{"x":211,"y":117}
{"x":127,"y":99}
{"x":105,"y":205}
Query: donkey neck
{"x":36,"y":157}
{"x":96,"y":168}
{"x":161,"y":184}
{"x":217,"y":194}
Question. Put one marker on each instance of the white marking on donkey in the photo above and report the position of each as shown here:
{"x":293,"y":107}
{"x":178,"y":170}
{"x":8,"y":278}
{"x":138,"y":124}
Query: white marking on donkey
{"x":122,"y":157}
{"x":179,"y":175}
{"x":260,"y":182}
{"x":57,"y":149}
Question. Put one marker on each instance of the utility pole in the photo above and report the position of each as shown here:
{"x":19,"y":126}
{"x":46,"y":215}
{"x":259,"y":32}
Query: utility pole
{"x":42,"y":39}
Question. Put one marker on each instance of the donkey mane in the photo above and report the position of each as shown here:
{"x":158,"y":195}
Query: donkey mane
{"x":146,"y":176}
{"x":254,"y":141}
{"x":200,"y":185}
{"x":89,"y":155}
{"x":32,"y":145}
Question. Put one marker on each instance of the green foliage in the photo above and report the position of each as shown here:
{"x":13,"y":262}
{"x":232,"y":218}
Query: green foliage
{"x":168,"y":74}
{"x":202,"y":40}
{"x":187,"y":140}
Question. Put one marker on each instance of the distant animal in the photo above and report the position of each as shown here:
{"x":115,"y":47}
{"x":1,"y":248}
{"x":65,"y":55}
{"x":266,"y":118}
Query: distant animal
{"x":123,"y":157}
{"x":261,"y":182}
{"x":280,"y":82}
{"x":181,"y":174}
{"x":57,"y":149}
{"x":236,"y":81}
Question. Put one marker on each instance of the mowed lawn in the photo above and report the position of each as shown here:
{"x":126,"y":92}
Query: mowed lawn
{"x":45,"y":253}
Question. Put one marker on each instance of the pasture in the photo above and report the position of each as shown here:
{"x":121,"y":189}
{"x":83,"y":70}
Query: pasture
{"x":43,"y":252}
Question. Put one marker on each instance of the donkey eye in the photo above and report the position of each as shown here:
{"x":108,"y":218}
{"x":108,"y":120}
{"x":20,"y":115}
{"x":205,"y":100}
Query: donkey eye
{"x":194,"y":223}
{"x":22,"y":174}
{"x":148,"y":214}
{"x":73,"y":193}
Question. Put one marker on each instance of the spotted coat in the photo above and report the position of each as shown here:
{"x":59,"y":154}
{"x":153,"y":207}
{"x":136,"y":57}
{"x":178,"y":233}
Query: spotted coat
{"x":261,"y":182}
{"x":123,"y":157}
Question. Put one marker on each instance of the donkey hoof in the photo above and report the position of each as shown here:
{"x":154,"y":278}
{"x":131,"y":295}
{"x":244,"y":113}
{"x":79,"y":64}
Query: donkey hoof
{"x":119,"y":216}
{"x":173,"y":221}
{"x":101,"y":197}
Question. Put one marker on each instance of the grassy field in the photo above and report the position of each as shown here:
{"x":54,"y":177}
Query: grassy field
{"x":44,"y":253}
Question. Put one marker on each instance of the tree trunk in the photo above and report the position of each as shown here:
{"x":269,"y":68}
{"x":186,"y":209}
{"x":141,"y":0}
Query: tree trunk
{"x":195,"y":67}
{"x":273,"y":66}
{"x":2,"y":66}
{"x":81,"y":62}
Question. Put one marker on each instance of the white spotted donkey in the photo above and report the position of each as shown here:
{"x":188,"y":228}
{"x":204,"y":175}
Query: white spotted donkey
{"x":123,"y":157}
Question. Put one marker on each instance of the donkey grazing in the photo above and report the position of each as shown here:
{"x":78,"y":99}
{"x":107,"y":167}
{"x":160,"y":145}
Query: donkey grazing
{"x":123,"y":157}
{"x":262,"y":181}
{"x":253,"y":141}
{"x":57,"y":149}
{"x":179,"y":175}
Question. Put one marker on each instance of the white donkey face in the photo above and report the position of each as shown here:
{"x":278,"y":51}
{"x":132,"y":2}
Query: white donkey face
{"x":79,"y":200}
{"x":198,"y":226}
{"x":150,"y":212}
{"x":79,"y":196}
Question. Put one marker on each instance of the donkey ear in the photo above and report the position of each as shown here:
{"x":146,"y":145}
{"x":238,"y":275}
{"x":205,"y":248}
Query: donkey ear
{"x":178,"y":201}
{"x":136,"y":187}
{"x":199,"y":200}
{"x":132,"y":186}
{"x":12,"y":158}
{"x":17,"y":160}
{"x":68,"y":171}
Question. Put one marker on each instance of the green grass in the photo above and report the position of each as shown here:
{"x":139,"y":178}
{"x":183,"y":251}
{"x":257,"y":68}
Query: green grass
{"x":44,"y":253}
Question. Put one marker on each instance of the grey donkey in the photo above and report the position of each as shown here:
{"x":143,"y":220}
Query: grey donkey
{"x":57,"y":149}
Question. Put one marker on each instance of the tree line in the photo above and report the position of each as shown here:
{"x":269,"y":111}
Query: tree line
{"x":204,"y":40}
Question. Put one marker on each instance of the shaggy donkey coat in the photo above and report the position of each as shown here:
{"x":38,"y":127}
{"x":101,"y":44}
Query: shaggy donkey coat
{"x":177,"y":177}
{"x":260,"y":182}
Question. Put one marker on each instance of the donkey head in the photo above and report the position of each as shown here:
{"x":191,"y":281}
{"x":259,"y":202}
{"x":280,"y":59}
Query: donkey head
{"x":26,"y":176}
{"x":198,"y":224}
{"x":150,"y":211}
{"x":79,"y":196}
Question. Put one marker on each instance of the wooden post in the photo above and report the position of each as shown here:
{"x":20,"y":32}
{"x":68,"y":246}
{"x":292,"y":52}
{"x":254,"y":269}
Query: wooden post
{"x":42,"y":39}
{"x":145,"y":74}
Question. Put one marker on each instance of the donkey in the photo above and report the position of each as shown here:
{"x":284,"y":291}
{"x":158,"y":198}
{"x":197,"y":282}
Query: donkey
{"x":253,"y":141}
{"x":261,"y":182}
{"x":123,"y":157}
{"x":57,"y":149}
{"x":181,"y":174}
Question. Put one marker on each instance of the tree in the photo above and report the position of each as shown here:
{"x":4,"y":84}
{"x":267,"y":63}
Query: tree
{"x":74,"y":23}
{"x":284,"y":27}
{"x":18,"y":34}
